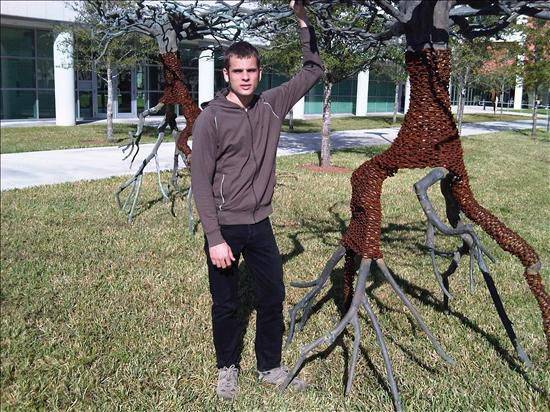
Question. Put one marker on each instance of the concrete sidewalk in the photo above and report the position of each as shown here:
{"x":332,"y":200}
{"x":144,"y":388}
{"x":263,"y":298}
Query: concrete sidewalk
{"x":20,"y":170}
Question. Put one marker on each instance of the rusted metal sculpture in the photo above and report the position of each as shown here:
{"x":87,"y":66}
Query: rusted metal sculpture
{"x":427,"y":138}
{"x":168,"y":23}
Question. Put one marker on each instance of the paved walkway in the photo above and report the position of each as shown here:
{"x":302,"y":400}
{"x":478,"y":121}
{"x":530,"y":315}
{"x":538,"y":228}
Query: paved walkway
{"x":20,"y":170}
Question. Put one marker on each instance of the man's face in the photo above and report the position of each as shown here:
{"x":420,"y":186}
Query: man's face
{"x":243,"y":75}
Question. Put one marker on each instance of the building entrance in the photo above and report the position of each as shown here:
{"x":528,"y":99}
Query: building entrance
{"x":125,"y":94}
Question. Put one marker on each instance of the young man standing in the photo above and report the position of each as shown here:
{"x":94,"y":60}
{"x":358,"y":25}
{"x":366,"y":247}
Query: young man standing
{"x":233,"y":177}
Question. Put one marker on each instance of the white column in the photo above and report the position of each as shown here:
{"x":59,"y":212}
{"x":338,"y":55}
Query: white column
{"x":518,"y":93}
{"x":64,"y":80}
{"x":407,"y":94}
{"x":362,"y":99}
{"x":206,"y":76}
{"x":299,"y":109}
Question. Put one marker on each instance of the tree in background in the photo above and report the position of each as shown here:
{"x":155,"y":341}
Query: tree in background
{"x":467,"y":56}
{"x":500,"y":70}
{"x":536,"y":62}
{"x":343,"y":54}
{"x":279,"y":58}
{"x":392,"y":63}
{"x":123,"y":53}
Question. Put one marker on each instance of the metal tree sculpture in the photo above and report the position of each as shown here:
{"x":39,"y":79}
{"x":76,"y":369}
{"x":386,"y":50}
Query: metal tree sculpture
{"x":427,"y":138}
{"x":168,"y":23}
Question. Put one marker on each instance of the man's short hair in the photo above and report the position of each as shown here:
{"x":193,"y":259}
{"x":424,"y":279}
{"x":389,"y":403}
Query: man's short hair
{"x":242,"y":50}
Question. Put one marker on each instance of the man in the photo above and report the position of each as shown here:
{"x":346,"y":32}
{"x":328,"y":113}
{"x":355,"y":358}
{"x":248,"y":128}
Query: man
{"x":233,"y":177}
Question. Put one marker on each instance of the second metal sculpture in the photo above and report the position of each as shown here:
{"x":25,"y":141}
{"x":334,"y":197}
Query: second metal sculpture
{"x":428,"y":138}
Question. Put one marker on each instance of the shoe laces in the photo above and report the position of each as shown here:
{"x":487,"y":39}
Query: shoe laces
{"x":228,"y":376}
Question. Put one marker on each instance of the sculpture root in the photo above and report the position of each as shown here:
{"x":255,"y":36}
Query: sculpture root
{"x":470,"y":245}
{"x":359,"y":299}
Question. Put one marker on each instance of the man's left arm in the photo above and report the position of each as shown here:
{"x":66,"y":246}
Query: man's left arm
{"x":285,"y":96}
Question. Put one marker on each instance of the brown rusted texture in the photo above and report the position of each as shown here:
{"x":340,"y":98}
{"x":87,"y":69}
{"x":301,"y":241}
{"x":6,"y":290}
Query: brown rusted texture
{"x":429,"y":138}
{"x":176,"y":92}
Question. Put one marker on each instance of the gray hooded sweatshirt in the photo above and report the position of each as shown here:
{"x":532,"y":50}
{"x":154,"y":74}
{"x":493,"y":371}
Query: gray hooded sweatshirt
{"x":234,"y":149}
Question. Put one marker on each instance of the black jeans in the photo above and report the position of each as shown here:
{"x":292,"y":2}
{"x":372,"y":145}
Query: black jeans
{"x":256,"y":243}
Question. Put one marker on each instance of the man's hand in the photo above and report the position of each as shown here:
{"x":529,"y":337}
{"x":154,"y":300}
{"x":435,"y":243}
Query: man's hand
{"x":221,"y":255}
{"x":300,"y":11}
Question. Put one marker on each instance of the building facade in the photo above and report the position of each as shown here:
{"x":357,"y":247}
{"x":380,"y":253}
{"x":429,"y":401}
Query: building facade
{"x":38,"y":80}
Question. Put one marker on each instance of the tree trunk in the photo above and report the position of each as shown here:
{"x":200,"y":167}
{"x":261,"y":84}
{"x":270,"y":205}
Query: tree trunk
{"x":547,"y":117}
{"x":461,"y":100}
{"x":325,"y":133}
{"x":291,"y":120}
{"x":395,"y":103}
{"x":535,"y":107}
{"x":501,"y":100}
{"x":110,"y":136}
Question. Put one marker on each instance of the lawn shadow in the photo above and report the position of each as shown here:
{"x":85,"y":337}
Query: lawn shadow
{"x":336,"y":294}
{"x":144,"y":207}
{"x":325,"y":231}
{"x":427,"y":298}
{"x":391,"y":234}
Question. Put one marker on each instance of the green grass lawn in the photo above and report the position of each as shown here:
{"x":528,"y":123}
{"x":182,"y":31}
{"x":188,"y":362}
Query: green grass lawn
{"x":30,"y":139}
{"x":99,"y":314}
{"x":376,"y":122}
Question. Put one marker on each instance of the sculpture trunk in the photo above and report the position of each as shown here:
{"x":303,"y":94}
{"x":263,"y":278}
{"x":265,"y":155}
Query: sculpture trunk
{"x":176,"y":92}
{"x":429,"y":138}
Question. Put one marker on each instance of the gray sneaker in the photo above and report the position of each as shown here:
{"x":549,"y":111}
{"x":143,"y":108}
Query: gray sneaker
{"x":277,"y":376}
{"x":227,"y":382}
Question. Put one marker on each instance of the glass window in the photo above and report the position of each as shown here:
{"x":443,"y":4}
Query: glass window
{"x":154,"y":98}
{"x":264,"y":83}
{"x":140,"y":102}
{"x":381,"y":93}
{"x":18,"y":73}
{"x":124,"y":81}
{"x":218,"y":60}
{"x":17,"y":42}
{"x":84,"y":75}
{"x":124,"y":103}
{"x":44,"y":74}
{"x":18,"y":104}
{"x":190,"y":57}
{"x":139,"y":78}
{"x":192,"y":76}
{"x":155,"y":78}
{"x":102,"y":102}
{"x":219,"y":81}
{"x":44,"y":41}
{"x":46,"y":104}
{"x":101,"y":82}
{"x":85,"y":99}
